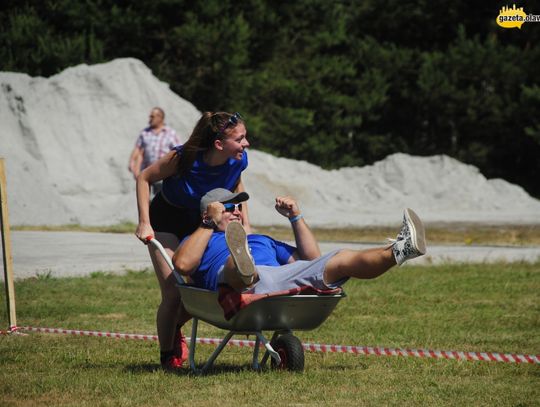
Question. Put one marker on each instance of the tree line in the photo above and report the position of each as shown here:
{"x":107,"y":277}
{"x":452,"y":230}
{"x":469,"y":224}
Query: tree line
{"x":336,"y":83}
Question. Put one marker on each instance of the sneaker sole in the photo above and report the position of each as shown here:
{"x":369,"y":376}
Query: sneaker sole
{"x":236,"y":239}
{"x":417,"y":230}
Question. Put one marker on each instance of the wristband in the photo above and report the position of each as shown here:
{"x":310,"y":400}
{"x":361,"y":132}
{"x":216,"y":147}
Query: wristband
{"x":208,"y":223}
{"x":295,"y":218}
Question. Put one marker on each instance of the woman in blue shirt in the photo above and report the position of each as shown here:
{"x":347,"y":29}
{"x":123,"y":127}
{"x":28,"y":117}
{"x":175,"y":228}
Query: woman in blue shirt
{"x":213,"y":157}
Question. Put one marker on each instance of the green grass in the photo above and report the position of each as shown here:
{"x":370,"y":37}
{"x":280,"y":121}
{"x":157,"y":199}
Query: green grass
{"x":462,"y":307}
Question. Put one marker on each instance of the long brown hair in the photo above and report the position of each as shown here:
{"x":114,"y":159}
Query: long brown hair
{"x":206,"y":131}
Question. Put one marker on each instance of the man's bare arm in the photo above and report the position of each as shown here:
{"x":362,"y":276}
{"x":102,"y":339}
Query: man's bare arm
{"x":135,"y":161}
{"x":307,"y":247}
{"x":187,"y":257}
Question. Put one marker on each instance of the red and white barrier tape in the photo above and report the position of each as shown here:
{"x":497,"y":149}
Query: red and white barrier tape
{"x":88,"y":333}
{"x":425,"y":353}
{"x":10,"y":330}
{"x":315,"y":347}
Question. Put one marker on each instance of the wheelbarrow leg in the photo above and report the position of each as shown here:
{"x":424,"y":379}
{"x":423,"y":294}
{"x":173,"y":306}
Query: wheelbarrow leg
{"x":192,"y":344}
{"x":269,"y":351}
{"x":255,"y":365}
{"x":214,"y":355}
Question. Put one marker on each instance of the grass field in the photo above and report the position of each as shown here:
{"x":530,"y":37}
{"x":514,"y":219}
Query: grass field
{"x":461,"y":307}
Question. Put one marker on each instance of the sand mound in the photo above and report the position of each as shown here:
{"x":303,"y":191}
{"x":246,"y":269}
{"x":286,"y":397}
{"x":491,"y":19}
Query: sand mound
{"x":66,"y":140}
{"x":439,"y":188}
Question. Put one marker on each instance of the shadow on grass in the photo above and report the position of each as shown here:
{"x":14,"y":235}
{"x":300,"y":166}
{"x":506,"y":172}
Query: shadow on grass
{"x":214,"y":371}
{"x":143,"y":368}
{"x":343,"y":368}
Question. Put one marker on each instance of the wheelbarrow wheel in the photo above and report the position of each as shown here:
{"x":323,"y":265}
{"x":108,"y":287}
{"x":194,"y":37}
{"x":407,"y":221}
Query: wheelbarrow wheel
{"x":290,"y":351}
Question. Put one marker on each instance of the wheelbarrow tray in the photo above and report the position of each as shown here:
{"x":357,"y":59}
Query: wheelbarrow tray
{"x":277,"y":313}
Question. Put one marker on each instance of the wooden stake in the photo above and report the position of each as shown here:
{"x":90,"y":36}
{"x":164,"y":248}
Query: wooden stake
{"x":6,"y":250}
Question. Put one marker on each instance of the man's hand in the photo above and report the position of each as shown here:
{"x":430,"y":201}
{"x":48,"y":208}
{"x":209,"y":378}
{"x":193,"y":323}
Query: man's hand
{"x":287,"y":206}
{"x":214,"y":211}
{"x":306,"y":244}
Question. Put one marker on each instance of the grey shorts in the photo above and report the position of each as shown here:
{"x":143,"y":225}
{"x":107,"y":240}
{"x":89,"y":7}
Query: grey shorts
{"x":294,"y":275}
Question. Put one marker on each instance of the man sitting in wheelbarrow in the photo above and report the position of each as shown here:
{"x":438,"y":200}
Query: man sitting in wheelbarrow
{"x":220,"y":252}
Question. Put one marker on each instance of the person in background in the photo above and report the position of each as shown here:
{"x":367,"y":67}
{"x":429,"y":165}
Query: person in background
{"x":153,"y":142}
{"x":214,"y":156}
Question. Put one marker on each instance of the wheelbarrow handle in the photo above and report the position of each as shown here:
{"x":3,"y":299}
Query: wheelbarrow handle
{"x":152,"y":240}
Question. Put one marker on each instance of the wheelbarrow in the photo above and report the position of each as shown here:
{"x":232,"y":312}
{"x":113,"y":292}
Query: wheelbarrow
{"x":280,"y":314}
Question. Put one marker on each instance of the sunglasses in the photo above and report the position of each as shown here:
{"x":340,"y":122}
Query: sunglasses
{"x":230,"y":207}
{"x":233,"y":121}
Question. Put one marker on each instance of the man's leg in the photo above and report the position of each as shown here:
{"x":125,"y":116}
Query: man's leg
{"x":233,"y":278}
{"x":240,"y":266}
{"x":365,"y":264}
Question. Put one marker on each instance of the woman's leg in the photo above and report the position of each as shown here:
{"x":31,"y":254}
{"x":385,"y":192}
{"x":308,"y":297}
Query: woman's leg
{"x":169,"y":309}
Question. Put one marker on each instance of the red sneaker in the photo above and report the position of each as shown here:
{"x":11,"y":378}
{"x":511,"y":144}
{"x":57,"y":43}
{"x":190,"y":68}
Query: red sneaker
{"x":181,"y":349}
{"x":172,"y":364}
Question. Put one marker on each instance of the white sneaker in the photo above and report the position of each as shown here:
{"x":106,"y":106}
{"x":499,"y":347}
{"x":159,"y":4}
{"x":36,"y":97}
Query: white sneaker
{"x":236,"y":239}
{"x":410,"y":241}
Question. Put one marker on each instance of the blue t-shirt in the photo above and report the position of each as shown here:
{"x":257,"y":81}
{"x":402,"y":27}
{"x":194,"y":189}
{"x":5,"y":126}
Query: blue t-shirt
{"x":265,"y":251}
{"x":188,"y":190}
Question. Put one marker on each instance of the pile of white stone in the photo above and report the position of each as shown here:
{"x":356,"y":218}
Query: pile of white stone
{"x":66,"y":142}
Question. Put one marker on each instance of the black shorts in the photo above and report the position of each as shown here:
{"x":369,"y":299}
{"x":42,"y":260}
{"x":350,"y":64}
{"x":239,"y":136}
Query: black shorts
{"x":165,"y":217}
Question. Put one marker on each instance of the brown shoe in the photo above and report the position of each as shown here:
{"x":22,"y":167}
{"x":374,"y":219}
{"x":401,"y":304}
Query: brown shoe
{"x":236,"y":239}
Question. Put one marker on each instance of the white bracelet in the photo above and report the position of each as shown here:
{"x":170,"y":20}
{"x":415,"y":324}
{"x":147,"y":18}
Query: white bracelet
{"x":295,"y":218}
